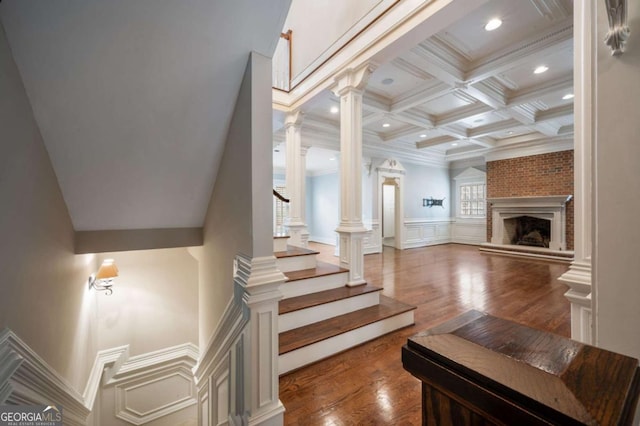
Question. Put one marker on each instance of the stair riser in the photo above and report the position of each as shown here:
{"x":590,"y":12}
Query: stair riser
{"x":317,"y":351}
{"x":312,"y":285}
{"x":296,"y":263}
{"x":280,"y":244}
{"x":325,"y":311}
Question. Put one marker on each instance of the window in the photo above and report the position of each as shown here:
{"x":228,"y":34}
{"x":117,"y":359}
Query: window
{"x":472,"y":200}
{"x":471,"y":194}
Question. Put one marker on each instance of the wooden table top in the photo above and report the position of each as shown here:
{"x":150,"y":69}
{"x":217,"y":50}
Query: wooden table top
{"x":534,"y":368}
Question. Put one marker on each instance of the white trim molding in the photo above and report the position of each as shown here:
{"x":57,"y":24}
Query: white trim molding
{"x":25,"y":378}
{"x":239,"y":368}
{"x":426,"y":232}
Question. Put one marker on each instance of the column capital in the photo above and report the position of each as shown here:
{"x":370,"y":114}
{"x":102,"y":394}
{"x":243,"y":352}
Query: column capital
{"x":293,"y":118}
{"x":352,"y":79}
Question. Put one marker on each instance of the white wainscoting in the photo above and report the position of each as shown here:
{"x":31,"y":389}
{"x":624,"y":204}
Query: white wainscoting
{"x":426,"y":232}
{"x":153,"y":385}
{"x":371,"y":242}
{"x":237,"y":375}
{"x":25,"y":378}
{"x":469,"y":231}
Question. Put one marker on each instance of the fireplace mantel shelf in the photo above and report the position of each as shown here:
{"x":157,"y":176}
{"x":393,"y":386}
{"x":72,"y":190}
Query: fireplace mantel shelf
{"x":539,"y":201}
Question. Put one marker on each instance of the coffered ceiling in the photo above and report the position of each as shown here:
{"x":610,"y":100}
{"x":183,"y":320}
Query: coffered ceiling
{"x":466,"y":91}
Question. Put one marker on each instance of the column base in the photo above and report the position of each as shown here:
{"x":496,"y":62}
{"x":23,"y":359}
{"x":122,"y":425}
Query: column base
{"x":352,"y":254}
{"x":578,"y":277}
{"x":298,"y":234}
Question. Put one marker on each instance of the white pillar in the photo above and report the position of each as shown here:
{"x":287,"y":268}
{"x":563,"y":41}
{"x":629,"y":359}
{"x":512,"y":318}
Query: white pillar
{"x":261,"y":280}
{"x":579,"y":275}
{"x":295,"y":180}
{"x":349,"y":87}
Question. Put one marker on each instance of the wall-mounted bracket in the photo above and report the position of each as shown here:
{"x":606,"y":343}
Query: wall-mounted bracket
{"x":430,"y":202}
{"x":618,"y":33}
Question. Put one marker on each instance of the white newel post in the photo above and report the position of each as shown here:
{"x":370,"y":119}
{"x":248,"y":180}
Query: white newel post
{"x":579,"y":275}
{"x":295,"y":180}
{"x":349,"y":87}
{"x":261,"y":296}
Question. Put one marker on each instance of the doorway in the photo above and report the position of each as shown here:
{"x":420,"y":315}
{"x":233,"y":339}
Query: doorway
{"x":389,"y":212}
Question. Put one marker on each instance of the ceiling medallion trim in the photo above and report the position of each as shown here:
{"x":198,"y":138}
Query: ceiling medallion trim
{"x":618,"y":34}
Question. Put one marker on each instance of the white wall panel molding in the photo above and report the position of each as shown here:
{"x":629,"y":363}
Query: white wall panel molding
{"x":25,"y":378}
{"x":469,"y":231}
{"x":425,"y":232}
{"x":371,"y":241}
{"x":237,"y":375}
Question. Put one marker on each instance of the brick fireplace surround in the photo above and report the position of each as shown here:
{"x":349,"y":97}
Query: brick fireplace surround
{"x":535,"y":175}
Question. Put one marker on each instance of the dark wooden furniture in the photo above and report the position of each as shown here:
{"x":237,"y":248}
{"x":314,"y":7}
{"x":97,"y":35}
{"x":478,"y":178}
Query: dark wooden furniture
{"x":480,"y":370}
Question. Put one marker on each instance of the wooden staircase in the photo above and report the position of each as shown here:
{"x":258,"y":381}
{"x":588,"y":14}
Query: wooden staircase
{"x":320,"y":315}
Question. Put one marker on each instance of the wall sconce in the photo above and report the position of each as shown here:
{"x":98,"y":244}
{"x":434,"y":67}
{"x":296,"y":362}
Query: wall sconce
{"x":103,"y":279}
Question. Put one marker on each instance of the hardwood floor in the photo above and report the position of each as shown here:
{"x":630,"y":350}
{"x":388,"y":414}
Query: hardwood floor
{"x":367,"y":385}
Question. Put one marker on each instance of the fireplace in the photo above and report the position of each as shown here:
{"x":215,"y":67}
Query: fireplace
{"x":528,"y":231}
{"x":536,"y":222}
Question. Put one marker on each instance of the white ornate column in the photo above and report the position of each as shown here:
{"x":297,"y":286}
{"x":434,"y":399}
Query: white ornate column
{"x":260,"y":281}
{"x":349,"y":87}
{"x":579,"y":275}
{"x":295,"y":180}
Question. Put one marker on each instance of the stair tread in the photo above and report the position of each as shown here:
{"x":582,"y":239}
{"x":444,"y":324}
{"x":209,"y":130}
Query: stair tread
{"x":321,"y":297}
{"x":316,"y":332}
{"x":276,"y":236}
{"x":321,"y":269}
{"x":293,"y":251}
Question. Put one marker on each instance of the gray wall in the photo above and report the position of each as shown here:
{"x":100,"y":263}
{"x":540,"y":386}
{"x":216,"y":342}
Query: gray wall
{"x":617,"y":198}
{"x":45,"y":297}
{"x":236,"y":220}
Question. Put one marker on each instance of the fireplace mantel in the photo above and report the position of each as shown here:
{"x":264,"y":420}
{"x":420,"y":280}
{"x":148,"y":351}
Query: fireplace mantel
{"x":550,"y":207}
{"x":541,"y":201}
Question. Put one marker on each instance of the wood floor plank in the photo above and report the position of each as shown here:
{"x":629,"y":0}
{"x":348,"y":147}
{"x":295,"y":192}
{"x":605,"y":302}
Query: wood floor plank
{"x":367,"y":384}
{"x":319,"y":298}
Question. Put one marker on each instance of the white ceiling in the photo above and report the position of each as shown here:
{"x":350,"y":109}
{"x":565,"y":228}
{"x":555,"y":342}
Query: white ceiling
{"x":133,"y":98}
{"x":465,"y":91}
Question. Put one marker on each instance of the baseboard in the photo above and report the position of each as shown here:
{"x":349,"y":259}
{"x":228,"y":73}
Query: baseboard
{"x":322,"y":240}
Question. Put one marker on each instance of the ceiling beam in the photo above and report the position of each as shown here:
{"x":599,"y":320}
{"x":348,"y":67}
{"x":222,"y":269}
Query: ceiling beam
{"x":416,"y":118}
{"x":492,"y":128}
{"x":553,"y":113}
{"x":375,"y":103}
{"x":564,"y":83}
{"x":462,"y":114}
{"x":419,"y":96}
{"x":559,"y":36}
{"x":400,"y":133}
{"x":427,"y":143}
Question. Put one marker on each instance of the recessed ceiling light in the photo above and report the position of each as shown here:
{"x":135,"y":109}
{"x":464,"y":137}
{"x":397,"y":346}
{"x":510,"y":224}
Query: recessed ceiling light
{"x":541,"y":69}
{"x":386,"y":124}
{"x":454,"y":143}
{"x":387,"y":81}
{"x":493,"y":24}
{"x":334,"y":110}
{"x":510,"y":132}
{"x":423,"y":136}
{"x":568,"y":96}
